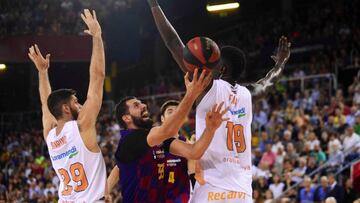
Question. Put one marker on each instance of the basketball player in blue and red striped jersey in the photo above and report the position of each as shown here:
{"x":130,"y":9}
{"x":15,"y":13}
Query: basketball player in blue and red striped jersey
{"x":140,"y":156}
{"x":177,"y":180}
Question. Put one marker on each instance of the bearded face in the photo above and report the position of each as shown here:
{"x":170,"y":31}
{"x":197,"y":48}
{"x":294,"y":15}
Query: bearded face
{"x":140,"y":116}
{"x":142,"y":122}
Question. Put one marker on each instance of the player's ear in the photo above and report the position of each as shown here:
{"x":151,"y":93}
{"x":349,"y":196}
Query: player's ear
{"x":162,"y":118}
{"x":222,"y":69}
{"x":65,"y":108}
{"x":126,"y":118}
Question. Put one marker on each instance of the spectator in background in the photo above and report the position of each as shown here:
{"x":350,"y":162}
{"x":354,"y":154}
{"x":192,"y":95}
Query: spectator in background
{"x":276,"y":187}
{"x":291,"y":153}
{"x":311,"y":166}
{"x":306,"y":151}
{"x":339,"y":118}
{"x":280,"y":156}
{"x":257,"y":196}
{"x":357,"y":123}
{"x":264,"y":140}
{"x":268,"y":158}
{"x":350,"y":119}
{"x":277,"y":144}
{"x":320,"y":155}
{"x":351,"y":140}
{"x":289,"y":183}
{"x":329,"y":123}
{"x":308,"y":102}
{"x":300,"y":143}
{"x":336,"y":190}
{"x":330,"y":200}
{"x":262,"y":184}
{"x":312,"y":141}
{"x":260,"y":118}
{"x":352,"y":87}
{"x":356,"y":98}
{"x":334,"y":143}
{"x":336,"y":158}
{"x":315,"y":94}
{"x":269,"y":197}
{"x":257,"y":156}
{"x":307,"y":193}
{"x":299,"y":172}
{"x":298,"y":102}
{"x":287,"y":138}
{"x":350,"y":194}
{"x":322,"y":190}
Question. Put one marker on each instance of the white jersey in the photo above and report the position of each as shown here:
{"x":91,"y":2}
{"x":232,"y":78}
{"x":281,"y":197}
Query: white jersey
{"x":82,"y":172}
{"x":227,"y":162}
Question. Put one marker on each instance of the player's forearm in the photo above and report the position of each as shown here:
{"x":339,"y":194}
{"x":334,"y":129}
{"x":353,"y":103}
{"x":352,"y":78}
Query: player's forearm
{"x":175,"y":121}
{"x":44,"y":87}
{"x":165,"y":28}
{"x":200,"y":146}
{"x":113,"y":178}
{"x":275,"y":73}
{"x":262,"y":87}
{"x":97,"y":65}
{"x":168,"y":33}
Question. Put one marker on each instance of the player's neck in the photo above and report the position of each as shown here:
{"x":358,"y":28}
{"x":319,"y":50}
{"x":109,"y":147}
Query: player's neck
{"x":60,"y":124}
{"x":132,"y":127}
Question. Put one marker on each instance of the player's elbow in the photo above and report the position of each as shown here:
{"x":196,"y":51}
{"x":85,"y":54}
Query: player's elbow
{"x":100,"y":74}
{"x":169,"y":132}
{"x":195,"y":154}
{"x":168,"y":129}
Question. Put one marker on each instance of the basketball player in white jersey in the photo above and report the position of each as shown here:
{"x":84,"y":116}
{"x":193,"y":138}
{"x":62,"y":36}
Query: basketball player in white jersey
{"x":69,"y":127}
{"x":224,"y":171}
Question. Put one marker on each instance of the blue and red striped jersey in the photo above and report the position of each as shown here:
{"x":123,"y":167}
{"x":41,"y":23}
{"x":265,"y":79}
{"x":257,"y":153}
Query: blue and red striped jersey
{"x":177,"y":182}
{"x":142,"y":168}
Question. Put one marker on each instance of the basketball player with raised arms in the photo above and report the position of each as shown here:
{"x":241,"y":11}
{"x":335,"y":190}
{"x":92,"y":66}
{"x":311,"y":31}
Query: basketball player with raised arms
{"x":69,"y":127}
{"x":224,"y":171}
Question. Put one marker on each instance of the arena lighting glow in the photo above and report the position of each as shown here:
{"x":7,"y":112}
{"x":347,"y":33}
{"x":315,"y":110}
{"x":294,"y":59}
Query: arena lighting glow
{"x":222,"y":7}
{"x":2,"y":66}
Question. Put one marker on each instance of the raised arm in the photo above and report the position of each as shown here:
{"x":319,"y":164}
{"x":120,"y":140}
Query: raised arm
{"x":168,"y":34}
{"x":260,"y":88}
{"x":90,"y":110}
{"x":214,"y":118}
{"x":172,"y":125}
{"x":42,"y":65}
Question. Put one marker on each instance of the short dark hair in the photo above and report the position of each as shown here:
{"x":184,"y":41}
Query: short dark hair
{"x":121,"y":109}
{"x":234,"y":60}
{"x":57,"y":98}
{"x":167,"y":104}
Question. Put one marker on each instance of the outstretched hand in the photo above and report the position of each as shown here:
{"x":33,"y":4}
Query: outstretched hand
{"x":93,"y":25}
{"x":41,"y":63}
{"x":214,"y":117}
{"x":283,"y":51}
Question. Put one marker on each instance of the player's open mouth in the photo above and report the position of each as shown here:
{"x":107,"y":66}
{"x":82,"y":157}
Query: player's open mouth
{"x":145,"y":114}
